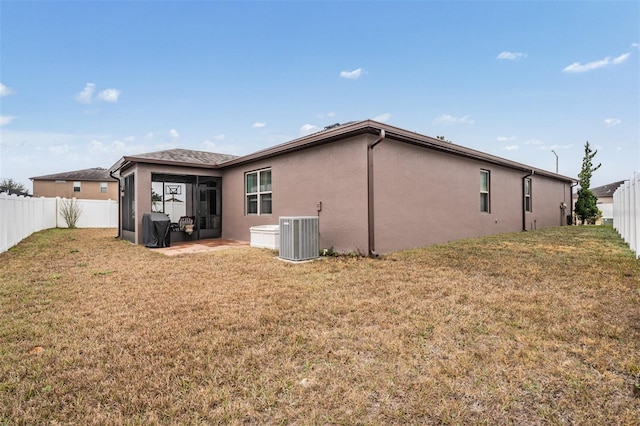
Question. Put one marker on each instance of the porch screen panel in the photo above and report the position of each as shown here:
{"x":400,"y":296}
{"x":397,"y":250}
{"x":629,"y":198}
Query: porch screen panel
{"x":128,"y":204}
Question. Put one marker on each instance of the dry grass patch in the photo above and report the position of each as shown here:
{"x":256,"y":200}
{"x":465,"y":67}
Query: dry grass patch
{"x":527,"y":328}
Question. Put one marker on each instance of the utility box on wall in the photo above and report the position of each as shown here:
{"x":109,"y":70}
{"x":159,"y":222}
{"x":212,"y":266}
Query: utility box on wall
{"x":299,"y":238}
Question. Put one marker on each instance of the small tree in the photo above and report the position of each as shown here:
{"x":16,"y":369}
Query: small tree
{"x":586,"y":209}
{"x":70,"y":211}
{"x":155,"y":199}
{"x":13,"y":187}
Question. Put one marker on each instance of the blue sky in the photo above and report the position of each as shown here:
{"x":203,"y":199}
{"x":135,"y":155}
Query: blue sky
{"x":84,"y":83}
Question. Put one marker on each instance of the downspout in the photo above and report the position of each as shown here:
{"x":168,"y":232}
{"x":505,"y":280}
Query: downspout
{"x":524,"y":208}
{"x":370,"y":194}
{"x":119,"y":203}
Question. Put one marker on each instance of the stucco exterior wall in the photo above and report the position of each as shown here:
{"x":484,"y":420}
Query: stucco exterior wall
{"x":89,"y":190}
{"x":547,"y":195}
{"x":423,"y":197}
{"x":333,"y":174}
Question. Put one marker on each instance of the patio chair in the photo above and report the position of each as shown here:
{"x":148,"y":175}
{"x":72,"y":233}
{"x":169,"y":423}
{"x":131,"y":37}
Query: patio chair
{"x":185,"y":223}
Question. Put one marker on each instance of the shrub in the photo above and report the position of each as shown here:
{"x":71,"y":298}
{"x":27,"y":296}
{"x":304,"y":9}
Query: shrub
{"x":70,"y":211}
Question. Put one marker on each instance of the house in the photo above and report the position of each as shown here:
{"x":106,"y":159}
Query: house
{"x":375,"y":188}
{"x":604,"y":194}
{"x":88,"y":184}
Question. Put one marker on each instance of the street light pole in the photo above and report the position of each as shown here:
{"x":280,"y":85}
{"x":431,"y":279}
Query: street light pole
{"x":554,"y":153}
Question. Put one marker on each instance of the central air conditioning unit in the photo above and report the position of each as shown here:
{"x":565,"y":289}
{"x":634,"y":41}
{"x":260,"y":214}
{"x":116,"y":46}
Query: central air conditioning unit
{"x":299,"y":238}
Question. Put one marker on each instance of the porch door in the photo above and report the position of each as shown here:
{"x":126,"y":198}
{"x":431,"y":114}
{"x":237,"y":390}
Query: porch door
{"x":208,"y":214}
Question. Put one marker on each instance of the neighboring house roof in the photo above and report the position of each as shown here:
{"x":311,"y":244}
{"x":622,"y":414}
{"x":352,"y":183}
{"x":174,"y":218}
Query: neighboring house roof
{"x":329,"y":134}
{"x":606,"y":190}
{"x":95,"y":174}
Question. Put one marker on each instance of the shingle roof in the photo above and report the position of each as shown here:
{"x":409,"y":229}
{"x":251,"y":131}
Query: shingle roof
{"x":180,"y":155}
{"x":606,"y":190}
{"x":94,"y":174}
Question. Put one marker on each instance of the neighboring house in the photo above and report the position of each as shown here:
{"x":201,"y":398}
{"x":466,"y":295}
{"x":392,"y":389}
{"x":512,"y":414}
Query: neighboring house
{"x":88,"y":184}
{"x":604,"y":194}
{"x":376,"y":189}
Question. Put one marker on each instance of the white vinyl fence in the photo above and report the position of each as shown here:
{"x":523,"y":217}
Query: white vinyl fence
{"x":22,"y":216}
{"x":626,"y":212}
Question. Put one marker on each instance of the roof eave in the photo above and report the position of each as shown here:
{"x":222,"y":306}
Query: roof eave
{"x":374,"y":127}
{"x":315,"y":139}
{"x":451,"y":148}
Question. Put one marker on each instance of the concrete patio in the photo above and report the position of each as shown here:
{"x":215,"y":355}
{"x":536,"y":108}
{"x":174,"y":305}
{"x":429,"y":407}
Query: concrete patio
{"x":200,"y":246}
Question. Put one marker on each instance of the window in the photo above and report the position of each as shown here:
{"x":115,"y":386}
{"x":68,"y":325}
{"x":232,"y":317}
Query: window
{"x":103,"y":186}
{"x":258,"y":192}
{"x":527,"y":195}
{"x":484,"y":191}
{"x":76,"y":186}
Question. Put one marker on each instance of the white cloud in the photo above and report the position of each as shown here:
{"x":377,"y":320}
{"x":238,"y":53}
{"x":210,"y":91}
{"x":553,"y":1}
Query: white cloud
{"x":577,"y":67}
{"x":114,"y":147}
{"x":149,"y":135}
{"x":536,"y":142}
{"x":96,"y":145}
{"x":511,"y":55}
{"x":6,"y":119}
{"x":620,"y":59}
{"x":353,"y":75}
{"x":85,"y":96}
{"x":208,"y":145}
{"x":382,"y":117}
{"x":448,"y":120}
{"x":109,"y":95}
{"x":59,"y":149}
{"x":327,"y":115}
{"x":174,"y":133}
{"x":5,"y":91}
{"x":258,"y":125}
{"x":636,"y":45}
{"x":610,"y":122}
{"x":511,"y":147}
{"x":308,"y":128}
{"x":505,"y":138}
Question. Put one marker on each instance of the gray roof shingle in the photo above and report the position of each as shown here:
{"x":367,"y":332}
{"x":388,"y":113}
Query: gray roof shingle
{"x":94,"y":174}
{"x":180,"y":155}
{"x":606,"y":190}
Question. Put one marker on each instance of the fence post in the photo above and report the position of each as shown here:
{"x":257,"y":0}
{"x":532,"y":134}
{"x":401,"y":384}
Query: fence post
{"x":626,"y":212}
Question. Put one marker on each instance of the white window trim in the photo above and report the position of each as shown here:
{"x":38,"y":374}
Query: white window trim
{"x":488,"y":191}
{"x":528,"y":185}
{"x":77,"y":185}
{"x":258,"y":193}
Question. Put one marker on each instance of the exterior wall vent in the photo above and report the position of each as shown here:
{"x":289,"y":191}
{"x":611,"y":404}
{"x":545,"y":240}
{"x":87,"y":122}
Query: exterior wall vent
{"x":299,"y":238}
